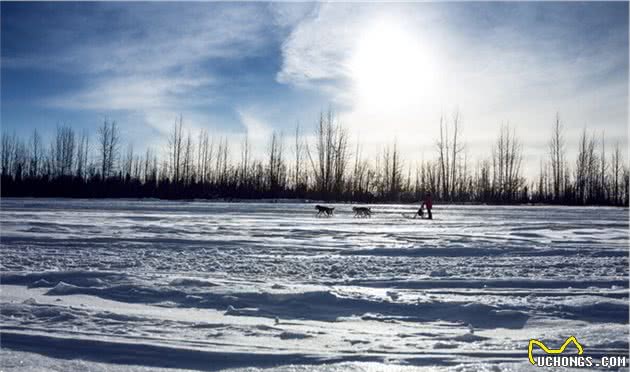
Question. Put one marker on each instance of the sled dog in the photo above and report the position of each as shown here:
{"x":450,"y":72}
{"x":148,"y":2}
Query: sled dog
{"x":362,"y":211}
{"x":324,"y":211}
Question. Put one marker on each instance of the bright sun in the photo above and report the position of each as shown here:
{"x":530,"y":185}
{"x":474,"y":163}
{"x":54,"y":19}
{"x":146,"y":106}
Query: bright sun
{"x":390,"y":68}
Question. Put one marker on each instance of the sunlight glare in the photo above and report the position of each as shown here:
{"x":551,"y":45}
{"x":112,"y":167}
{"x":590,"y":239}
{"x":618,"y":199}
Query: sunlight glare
{"x":390,"y":68}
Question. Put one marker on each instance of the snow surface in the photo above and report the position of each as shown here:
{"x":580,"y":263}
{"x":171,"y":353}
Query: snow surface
{"x":109,"y":285}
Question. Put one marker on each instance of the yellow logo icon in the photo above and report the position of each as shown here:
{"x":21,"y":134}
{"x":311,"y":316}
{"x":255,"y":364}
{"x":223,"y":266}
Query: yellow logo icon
{"x":547,"y":350}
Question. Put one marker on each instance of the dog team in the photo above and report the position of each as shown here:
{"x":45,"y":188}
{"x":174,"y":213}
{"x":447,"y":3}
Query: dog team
{"x":330,"y":211}
{"x":365,"y":212}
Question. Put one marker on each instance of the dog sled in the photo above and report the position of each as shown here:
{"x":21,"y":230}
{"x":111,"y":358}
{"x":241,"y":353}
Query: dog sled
{"x":365,"y":212}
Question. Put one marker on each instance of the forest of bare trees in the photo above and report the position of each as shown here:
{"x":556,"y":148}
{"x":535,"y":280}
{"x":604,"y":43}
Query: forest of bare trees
{"x":329,"y":167}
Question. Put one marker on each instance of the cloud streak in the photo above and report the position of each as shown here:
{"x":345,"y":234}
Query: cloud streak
{"x":158,"y":58}
{"x":389,"y":70}
{"x":520,"y":63}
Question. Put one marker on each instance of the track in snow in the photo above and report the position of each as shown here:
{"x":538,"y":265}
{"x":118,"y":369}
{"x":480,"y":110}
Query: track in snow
{"x":199,"y":285}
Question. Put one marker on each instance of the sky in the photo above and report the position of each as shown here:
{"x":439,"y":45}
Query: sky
{"x":388,"y":70}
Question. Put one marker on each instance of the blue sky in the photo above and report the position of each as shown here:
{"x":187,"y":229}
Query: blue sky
{"x":388,"y":70}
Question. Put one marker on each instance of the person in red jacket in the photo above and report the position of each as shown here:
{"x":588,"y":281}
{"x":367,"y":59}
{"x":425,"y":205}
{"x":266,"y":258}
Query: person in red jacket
{"x":427,"y":202}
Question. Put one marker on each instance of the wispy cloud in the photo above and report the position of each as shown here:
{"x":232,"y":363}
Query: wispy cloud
{"x":158,"y":58}
{"x":388,"y":69}
{"x":143,"y":37}
{"x":258,"y":132}
{"x":520,"y":63}
{"x":317,"y":48}
{"x":133,"y":93}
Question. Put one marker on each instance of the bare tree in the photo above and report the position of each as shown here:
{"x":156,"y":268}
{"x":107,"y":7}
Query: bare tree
{"x":586,"y":169}
{"x":127,"y":165}
{"x":626,"y":185}
{"x":108,"y":142}
{"x":449,"y":150}
{"x":150,"y":174}
{"x":391,"y":173}
{"x":331,"y":155}
{"x":360,"y":177}
{"x":62,"y":151}
{"x":457,"y":148}
{"x":6,"y":152}
{"x":443,"y":145}
{"x":320,"y":165}
{"x":221,"y":164}
{"x":298,"y":150}
{"x":205,"y":154}
{"x":484,"y":180}
{"x":507,"y":159}
{"x":82,"y":155}
{"x":175,"y":149}
{"x":603,"y":170}
{"x":209,"y":154}
{"x":20,"y":159}
{"x":541,"y":187}
{"x":187,"y":159}
{"x":276,"y":167}
{"x":137,"y":168}
{"x":592,"y":171}
{"x":323,"y":167}
{"x":245,"y":160}
{"x":35,"y":147}
{"x":556,"y":152}
{"x":616,"y":169}
{"x":340,"y":159}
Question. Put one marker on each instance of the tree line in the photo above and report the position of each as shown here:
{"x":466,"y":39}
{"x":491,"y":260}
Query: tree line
{"x":325,"y":167}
